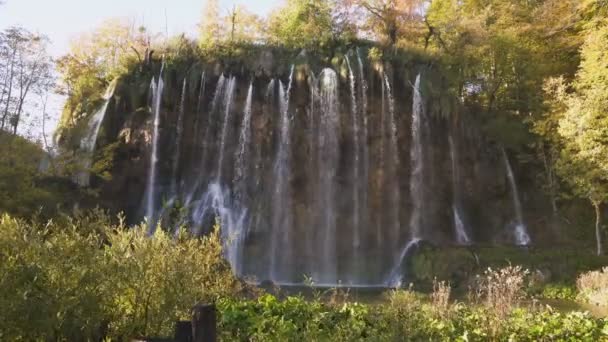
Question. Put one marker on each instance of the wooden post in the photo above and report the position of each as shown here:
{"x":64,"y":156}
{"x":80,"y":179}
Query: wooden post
{"x":204,"y":323}
{"x":183,"y":331}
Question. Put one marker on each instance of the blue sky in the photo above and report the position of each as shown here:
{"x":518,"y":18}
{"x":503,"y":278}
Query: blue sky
{"x":61,"y":20}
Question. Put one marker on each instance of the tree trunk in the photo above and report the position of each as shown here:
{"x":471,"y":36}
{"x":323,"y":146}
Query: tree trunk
{"x":598,"y":231}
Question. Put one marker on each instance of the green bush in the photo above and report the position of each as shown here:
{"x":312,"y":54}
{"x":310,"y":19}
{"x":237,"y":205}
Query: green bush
{"x":404,"y":318}
{"x":72,"y":281}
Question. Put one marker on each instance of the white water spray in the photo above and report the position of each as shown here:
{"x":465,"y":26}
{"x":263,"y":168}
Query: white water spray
{"x":520,"y":233}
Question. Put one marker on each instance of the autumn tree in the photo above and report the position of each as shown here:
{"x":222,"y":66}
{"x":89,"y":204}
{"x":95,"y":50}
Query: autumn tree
{"x":389,"y":20}
{"x":211,"y":24}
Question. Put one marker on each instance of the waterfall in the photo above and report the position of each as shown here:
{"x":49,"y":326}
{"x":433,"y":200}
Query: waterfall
{"x":328,"y":155}
{"x":157,"y":96}
{"x":227,"y":106}
{"x":520,"y":233}
{"x":281,"y":252}
{"x":207,"y":138}
{"x":416,"y":186}
{"x":178,"y":140}
{"x":88,"y":142}
{"x":417,"y":163}
{"x":395,"y":277}
{"x":356,"y":152}
{"x":242,"y":157}
{"x":215,"y":203}
{"x":394,"y":167}
{"x":364,"y":140}
{"x":462,"y":237}
{"x":199,"y":104}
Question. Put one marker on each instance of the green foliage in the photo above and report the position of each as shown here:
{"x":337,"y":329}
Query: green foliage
{"x":69,"y":280}
{"x":459,"y":265}
{"x":301,"y":24}
{"x":404,"y":318}
{"x":24,"y":190}
{"x":558,"y":291}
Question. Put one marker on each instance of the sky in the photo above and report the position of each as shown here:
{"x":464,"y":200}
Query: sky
{"x":63,"y":20}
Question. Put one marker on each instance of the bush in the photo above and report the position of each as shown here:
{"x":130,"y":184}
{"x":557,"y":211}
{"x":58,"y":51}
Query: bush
{"x":500,"y":291}
{"x":593,"y":287}
{"x":83,"y":279}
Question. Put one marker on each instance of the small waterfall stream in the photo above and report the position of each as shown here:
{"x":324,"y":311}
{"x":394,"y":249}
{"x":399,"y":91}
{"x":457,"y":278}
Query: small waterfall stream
{"x":328,"y":154}
{"x":228,"y":95}
{"x":157,"y":95}
{"x":282,"y":222}
{"x":87,"y":145}
{"x":242,"y":157}
{"x":520,"y":232}
{"x":178,"y":141}
{"x":462,"y":237}
{"x":393,"y":183}
{"x":417,"y":163}
{"x":356,"y":160}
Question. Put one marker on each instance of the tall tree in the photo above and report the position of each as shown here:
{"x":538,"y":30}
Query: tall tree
{"x":211,"y":24}
{"x":26,"y":70}
{"x":584,"y":127}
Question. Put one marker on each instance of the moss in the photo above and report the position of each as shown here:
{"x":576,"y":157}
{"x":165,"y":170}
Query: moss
{"x":458,"y":264}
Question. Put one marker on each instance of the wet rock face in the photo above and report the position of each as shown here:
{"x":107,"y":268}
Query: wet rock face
{"x":368,"y":189}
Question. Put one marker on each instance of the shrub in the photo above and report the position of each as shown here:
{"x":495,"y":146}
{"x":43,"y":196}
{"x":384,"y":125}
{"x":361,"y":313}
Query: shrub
{"x":440,"y":297}
{"x":71,"y":282}
{"x":500,"y":290}
{"x":593,"y":287}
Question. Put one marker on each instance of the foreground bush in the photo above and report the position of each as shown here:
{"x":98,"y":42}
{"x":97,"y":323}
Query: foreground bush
{"x":593,"y":287}
{"x":81,"y":280}
{"x":404,"y":318}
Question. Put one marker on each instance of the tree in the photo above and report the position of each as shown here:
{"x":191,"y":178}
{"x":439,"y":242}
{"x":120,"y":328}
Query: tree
{"x":389,"y":19}
{"x":94,"y":60}
{"x":583,"y":127}
{"x":210,"y":26}
{"x":301,"y":24}
{"x":27,"y":70}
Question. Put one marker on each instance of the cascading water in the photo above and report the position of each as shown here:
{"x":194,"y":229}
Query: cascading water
{"x":462,"y":237}
{"x":87,"y":145}
{"x":229,"y":93}
{"x":281,"y":250}
{"x":328,"y":155}
{"x":157,"y":96}
{"x":356,"y":152}
{"x":216,"y":201}
{"x":520,"y":232}
{"x":394,"y":278}
{"x":417,"y":163}
{"x":242,"y":157}
{"x":291,"y":181}
{"x":394,"y":166}
{"x":178,"y":140}
{"x":364,"y":140}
